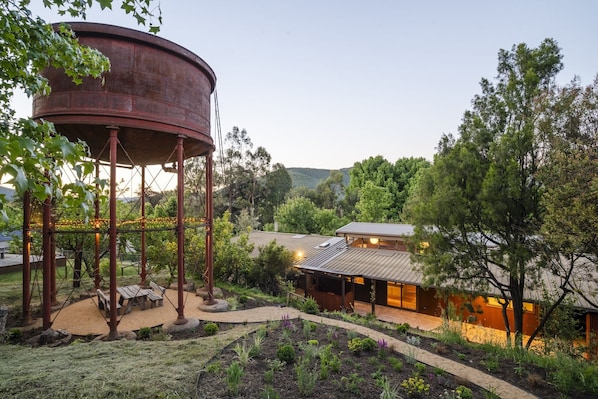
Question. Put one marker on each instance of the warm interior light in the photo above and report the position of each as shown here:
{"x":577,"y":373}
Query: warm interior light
{"x":374,"y":241}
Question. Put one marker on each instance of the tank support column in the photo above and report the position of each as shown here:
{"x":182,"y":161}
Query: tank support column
{"x":113,"y":334}
{"x":180,"y":231}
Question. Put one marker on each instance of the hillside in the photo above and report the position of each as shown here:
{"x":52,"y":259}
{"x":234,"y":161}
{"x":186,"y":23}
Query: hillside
{"x":310,"y":177}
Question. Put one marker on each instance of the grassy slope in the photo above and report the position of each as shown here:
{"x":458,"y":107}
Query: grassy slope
{"x":128,"y":369}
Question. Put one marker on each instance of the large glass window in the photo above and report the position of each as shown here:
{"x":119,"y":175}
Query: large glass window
{"x":401,"y":296}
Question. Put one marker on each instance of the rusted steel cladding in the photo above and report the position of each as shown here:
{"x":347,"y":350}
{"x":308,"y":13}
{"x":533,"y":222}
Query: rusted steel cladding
{"x":155,"y":91}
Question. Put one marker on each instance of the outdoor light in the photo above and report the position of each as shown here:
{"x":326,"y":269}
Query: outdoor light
{"x":374,"y":241}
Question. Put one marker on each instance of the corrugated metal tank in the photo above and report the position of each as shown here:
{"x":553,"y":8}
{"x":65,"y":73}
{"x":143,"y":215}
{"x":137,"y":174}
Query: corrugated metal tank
{"x":155,"y":91}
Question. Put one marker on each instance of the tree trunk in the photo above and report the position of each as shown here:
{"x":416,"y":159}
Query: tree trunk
{"x":77,"y":269}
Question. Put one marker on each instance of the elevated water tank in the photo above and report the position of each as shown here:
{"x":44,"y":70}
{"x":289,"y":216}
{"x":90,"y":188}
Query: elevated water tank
{"x":155,"y":92}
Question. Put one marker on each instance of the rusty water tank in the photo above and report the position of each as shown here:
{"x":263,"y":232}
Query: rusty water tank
{"x":155,"y":92}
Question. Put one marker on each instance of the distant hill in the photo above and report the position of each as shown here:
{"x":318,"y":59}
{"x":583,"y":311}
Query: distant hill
{"x":310,"y":177}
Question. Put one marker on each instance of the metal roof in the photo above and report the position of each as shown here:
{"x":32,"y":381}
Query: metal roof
{"x":376,"y":230}
{"x":332,"y":255}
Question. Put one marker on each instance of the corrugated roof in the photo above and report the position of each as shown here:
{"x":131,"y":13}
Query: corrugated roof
{"x":376,"y":229}
{"x":308,"y":244}
{"x":386,"y":265}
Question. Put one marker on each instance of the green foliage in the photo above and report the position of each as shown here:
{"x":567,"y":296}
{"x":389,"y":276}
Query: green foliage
{"x":396,"y":364}
{"x":310,"y":305}
{"x":483,"y":192}
{"x":268,"y":392}
{"x":234,"y":373}
{"x":271,"y":265}
{"x":297,"y":215}
{"x":415,"y":386}
{"x":368,"y":344}
{"x":464,"y":392}
{"x":144,"y":333}
{"x":354,"y":345}
{"x":286,"y":353}
{"x":351,"y":383}
{"x":210,"y":328}
{"x":307,"y":376}
{"x":402,"y":328}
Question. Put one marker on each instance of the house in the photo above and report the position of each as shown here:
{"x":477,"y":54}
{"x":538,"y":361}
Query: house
{"x":369,"y":262}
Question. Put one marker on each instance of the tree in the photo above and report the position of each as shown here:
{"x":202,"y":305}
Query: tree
{"x":271,"y":265}
{"x":374,"y":203}
{"x":32,"y":154}
{"x":277,"y":184}
{"x":479,"y":207}
{"x":396,"y":179}
{"x":297,"y":215}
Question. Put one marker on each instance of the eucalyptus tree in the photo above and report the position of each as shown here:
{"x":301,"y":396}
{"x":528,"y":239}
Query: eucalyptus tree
{"x":479,"y":206}
{"x":395,"y":178}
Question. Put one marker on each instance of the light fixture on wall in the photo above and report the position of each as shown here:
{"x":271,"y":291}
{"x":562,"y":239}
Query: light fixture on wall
{"x":374,"y":241}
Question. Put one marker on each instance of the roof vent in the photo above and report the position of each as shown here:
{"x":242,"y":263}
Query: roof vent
{"x":324,"y":245}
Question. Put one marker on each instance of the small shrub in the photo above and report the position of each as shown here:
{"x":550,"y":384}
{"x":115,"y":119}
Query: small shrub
{"x":313,"y":342}
{"x":286,"y":353}
{"x":396,"y":364}
{"x":368,"y":344}
{"x":310,"y":306}
{"x":403,"y":328}
{"x":14,"y":334}
{"x":276,"y":364}
{"x":354,"y":346}
{"x":415,"y":386}
{"x":420,"y":368}
{"x":144,"y":333}
{"x":243,"y":299}
{"x":414,"y":340}
{"x":210,"y":328}
{"x":464,"y":392}
{"x":215,"y":367}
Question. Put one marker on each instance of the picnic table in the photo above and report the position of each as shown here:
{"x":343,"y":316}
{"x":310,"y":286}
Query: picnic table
{"x":134,"y":295}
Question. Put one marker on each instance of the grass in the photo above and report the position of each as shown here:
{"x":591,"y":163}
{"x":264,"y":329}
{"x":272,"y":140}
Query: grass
{"x":120,"y":369}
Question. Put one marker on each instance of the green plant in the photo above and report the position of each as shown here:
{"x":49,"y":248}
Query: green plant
{"x":234,"y":373}
{"x":256,"y":347}
{"x":306,"y":377}
{"x":464,"y":392}
{"x":243,"y":353}
{"x":389,"y":391}
{"x":276,"y":364}
{"x":210,"y":328}
{"x":492,"y":364}
{"x":396,"y":364}
{"x":351,"y":383}
{"x":268,"y":392}
{"x":215,"y":367}
{"x":403,"y":328}
{"x":243,"y":299}
{"x":415,"y":386}
{"x":354,"y":346}
{"x":144,"y":333}
{"x":414,"y":340}
{"x":269,"y":376}
{"x":368,"y":344}
{"x":420,"y":368}
{"x":286,"y":353}
{"x":310,"y":306}
{"x":14,"y":334}
{"x":313,"y":342}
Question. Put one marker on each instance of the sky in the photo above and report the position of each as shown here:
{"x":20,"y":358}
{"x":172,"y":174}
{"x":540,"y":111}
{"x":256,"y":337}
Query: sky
{"x":325,"y":84}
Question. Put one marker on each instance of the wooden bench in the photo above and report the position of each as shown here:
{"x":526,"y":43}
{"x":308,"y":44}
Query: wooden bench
{"x":104,"y":303}
{"x":156,"y":299}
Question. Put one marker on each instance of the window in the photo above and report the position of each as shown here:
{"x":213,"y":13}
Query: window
{"x":494,"y":301}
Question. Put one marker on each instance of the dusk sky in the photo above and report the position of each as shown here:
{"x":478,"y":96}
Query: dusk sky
{"x":325,"y":84}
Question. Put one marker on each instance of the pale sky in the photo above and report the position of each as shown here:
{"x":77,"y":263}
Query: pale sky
{"x":327,"y":83}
